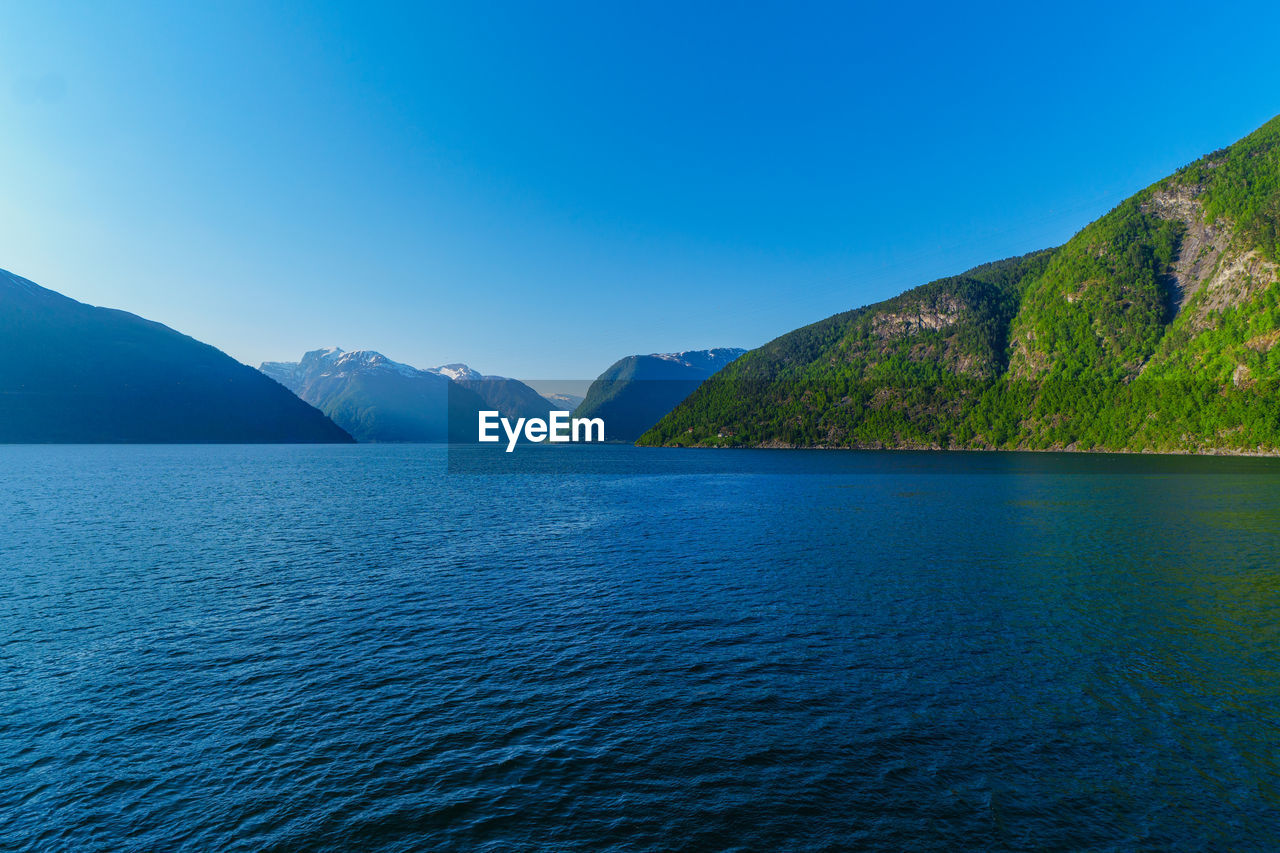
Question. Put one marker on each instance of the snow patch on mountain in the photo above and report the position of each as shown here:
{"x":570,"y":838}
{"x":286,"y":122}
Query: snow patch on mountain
{"x":702,"y":359}
{"x":458,"y":372}
{"x":334,"y":361}
{"x":461,"y":372}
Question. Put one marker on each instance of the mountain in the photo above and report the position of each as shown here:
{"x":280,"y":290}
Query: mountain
{"x":1153,"y":329}
{"x":510,"y":396}
{"x":377,"y":399}
{"x":563,"y":402}
{"x":74,"y":373}
{"x":457,"y":372}
{"x":636,"y":391}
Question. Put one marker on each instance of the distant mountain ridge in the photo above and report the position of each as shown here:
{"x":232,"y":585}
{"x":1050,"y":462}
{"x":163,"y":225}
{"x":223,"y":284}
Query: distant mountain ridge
{"x":330,"y":361}
{"x":1155,"y":328}
{"x":636,"y":391}
{"x":73,"y":372}
{"x":378,"y":399}
{"x":563,"y":402}
{"x":706,"y":361}
{"x":509,"y":396}
{"x":460,"y":372}
{"x":374,"y":398}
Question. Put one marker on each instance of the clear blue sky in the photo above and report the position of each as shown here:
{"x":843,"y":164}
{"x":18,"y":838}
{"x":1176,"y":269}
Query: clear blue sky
{"x":539,"y":189}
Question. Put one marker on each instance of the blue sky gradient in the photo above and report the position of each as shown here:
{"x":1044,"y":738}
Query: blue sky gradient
{"x":540,"y":189}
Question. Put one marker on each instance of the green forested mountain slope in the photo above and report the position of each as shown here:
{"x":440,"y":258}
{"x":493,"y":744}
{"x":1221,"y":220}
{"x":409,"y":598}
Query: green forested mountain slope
{"x":1154,"y":328}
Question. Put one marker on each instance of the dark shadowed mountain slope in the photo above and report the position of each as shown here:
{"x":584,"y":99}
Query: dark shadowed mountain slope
{"x":636,"y":391}
{"x":71,"y":372}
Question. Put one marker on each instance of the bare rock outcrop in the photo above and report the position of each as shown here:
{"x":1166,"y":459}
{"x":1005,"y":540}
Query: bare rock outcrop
{"x":944,"y":312}
{"x":1211,"y":263}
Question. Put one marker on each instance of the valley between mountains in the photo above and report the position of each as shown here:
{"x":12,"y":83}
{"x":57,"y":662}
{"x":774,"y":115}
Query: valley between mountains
{"x":1154,"y":329}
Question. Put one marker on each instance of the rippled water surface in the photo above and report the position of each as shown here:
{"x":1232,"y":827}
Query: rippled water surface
{"x":245,"y":648}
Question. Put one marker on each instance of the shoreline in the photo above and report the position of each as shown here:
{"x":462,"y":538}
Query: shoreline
{"x":1240,"y":454}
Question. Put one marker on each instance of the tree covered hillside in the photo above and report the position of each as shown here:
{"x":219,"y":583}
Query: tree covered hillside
{"x":1154,"y":328}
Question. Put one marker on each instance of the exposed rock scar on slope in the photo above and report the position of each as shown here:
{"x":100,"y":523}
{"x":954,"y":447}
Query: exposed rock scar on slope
{"x":937,"y":315}
{"x":944,"y":312}
{"x":1210,"y":259}
{"x":1202,"y":243}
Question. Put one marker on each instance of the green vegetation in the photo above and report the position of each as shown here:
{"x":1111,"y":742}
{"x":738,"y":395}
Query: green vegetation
{"x":1115,"y":341}
{"x":1242,"y":185}
{"x":1100,"y":307}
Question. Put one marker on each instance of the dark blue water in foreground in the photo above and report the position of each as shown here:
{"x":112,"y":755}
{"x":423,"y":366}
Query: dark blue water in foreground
{"x":247,"y":648}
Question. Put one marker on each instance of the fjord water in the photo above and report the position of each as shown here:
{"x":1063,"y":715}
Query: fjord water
{"x":247,"y":648}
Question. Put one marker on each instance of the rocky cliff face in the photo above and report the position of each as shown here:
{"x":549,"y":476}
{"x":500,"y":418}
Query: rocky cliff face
{"x":939,"y":314}
{"x":1215,"y":269}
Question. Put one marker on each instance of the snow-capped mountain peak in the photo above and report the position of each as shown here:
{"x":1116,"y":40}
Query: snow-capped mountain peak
{"x":702,"y":359}
{"x":457,"y":371}
{"x":335,"y":361}
{"x":332,"y":361}
{"x":460,"y":372}
{"x":326,"y":375}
